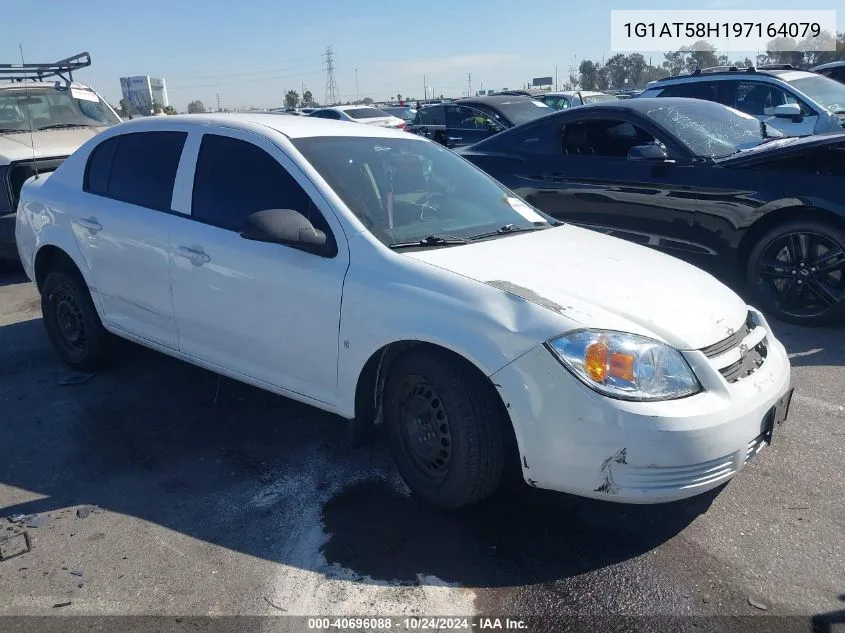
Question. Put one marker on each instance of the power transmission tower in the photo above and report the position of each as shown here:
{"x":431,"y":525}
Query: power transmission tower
{"x":218,"y":102}
{"x":331,"y":86}
{"x":469,"y":84}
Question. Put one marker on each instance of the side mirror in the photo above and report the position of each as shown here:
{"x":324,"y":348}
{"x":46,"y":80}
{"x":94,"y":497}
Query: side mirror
{"x":285,"y":226}
{"x":787,"y":111}
{"x":649,"y":152}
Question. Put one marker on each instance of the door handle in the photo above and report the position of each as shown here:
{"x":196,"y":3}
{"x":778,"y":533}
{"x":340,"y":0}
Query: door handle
{"x":89,"y":223}
{"x":554,"y":176}
{"x":456,"y":138}
{"x":195,"y":256}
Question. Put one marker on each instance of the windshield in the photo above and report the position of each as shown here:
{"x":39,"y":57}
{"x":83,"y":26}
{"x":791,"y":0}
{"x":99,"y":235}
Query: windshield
{"x":710,"y":129}
{"x":523,"y":110}
{"x":595,"y":98}
{"x":404,"y":190}
{"x":366,"y":113}
{"x":48,"y":107}
{"x":823,"y":90}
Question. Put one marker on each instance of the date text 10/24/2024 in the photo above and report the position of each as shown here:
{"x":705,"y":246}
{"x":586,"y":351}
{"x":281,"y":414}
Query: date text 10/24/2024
{"x":415,"y":624}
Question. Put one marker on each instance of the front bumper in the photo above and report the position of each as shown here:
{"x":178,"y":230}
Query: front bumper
{"x":574,"y":440}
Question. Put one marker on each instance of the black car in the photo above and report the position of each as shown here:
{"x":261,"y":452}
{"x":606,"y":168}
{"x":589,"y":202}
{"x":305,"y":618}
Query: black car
{"x":697,"y":180}
{"x":468,"y":121}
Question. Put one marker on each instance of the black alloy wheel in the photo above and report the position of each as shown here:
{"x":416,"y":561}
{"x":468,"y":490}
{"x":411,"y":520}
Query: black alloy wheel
{"x":799,"y":273}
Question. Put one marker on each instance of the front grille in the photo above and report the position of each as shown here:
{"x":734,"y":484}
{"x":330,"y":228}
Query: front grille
{"x":751,"y":357}
{"x":22,"y":171}
{"x":734,"y":340}
{"x":749,"y":362}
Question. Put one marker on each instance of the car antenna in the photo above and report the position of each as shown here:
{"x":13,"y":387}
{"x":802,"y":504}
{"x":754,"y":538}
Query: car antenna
{"x":29,"y":116}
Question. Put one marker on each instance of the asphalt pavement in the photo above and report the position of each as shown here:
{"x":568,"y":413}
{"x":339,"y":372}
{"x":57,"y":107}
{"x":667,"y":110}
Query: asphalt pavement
{"x":158,"y":488}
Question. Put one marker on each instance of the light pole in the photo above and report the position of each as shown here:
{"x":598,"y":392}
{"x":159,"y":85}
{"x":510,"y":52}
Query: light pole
{"x":356,"y":85}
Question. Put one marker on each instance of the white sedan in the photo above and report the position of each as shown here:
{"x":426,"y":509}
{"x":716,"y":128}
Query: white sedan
{"x":359,"y":114}
{"x":379,"y":276}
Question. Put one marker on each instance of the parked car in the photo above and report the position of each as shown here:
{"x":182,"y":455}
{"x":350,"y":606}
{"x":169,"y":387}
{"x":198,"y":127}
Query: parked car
{"x":477,"y":330}
{"x":834,"y":70}
{"x":41,"y":123}
{"x":697,"y":180}
{"x":359,"y":114}
{"x":468,"y":121}
{"x":573,"y":98}
{"x":796,"y":102}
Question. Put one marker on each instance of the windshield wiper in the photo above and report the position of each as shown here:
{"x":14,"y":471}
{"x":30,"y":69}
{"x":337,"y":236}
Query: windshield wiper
{"x":57,"y":126}
{"x":431,"y":240}
{"x":508,"y":228}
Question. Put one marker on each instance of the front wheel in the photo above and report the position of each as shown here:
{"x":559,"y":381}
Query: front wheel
{"x":797,"y":272}
{"x":445,"y":427}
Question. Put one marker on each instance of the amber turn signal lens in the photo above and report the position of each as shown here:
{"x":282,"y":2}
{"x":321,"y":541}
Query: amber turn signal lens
{"x":622,"y":366}
{"x":595,"y":361}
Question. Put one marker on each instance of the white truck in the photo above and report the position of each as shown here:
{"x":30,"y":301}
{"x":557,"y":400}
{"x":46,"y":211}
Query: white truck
{"x":44,"y":117}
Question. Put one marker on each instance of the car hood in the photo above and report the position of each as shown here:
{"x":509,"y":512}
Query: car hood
{"x":601,"y":281}
{"x":783,"y":148}
{"x":49,"y":143}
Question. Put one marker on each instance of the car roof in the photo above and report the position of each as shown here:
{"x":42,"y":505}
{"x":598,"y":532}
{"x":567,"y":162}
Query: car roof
{"x":495,"y":100}
{"x":290,"y":126}
{"x":569,"y":93}
{"x":745,"y":75}
{"x":838,"y":64}
{"x":640,"y":105}
{"x":341,"y":108}
{"x":41,"y":84}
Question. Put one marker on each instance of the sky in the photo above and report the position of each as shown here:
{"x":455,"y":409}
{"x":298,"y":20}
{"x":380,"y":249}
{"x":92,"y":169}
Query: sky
{"x":251,"y":52}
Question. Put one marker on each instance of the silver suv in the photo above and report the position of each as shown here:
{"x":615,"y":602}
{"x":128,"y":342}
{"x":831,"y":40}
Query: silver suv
{"x":41,"y":124}
{"x":796,"y":102}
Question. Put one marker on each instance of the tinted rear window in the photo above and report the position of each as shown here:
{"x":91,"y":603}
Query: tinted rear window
{"x":138,"y":168}
{"x":365,"y":113}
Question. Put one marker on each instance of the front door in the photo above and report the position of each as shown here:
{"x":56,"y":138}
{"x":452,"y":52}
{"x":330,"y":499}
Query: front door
{"x":759,"y":99}
{"x":266,"y":311}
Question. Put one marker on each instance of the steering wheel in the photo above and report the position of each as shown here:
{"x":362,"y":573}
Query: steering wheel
{"x":427,"y":203}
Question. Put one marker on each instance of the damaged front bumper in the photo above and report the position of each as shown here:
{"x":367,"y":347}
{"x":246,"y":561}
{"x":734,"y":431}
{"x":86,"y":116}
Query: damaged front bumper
{"x":574,"y":440}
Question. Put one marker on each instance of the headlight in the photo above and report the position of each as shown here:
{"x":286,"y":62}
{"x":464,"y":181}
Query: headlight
{"x":625,"y":366}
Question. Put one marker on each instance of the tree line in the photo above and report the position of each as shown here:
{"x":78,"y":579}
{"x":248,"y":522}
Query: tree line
{"x":633,"y":71}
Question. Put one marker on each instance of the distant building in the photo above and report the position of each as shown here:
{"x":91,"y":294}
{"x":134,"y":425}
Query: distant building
{"x":141,"y":92}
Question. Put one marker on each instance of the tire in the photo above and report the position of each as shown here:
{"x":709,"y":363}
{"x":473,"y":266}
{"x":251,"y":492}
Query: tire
{"x":460,"y":460}
{"x":796,"y":273}
{"x":72,"y":322}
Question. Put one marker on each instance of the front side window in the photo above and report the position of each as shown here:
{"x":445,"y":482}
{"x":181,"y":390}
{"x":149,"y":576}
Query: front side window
{"x":404,"y":190}
{"x":138,"y":168}
{"x":235,"y":179}
{"x":761,"y":99}
{"x":464,"y":118}
{"x":558,"y":102}
{"x":611,"y":138}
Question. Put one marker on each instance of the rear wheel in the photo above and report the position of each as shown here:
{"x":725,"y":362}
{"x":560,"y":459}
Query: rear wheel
{"x":72,"y":322}
{"x":797,"y":272}
{"x":446,"y":428}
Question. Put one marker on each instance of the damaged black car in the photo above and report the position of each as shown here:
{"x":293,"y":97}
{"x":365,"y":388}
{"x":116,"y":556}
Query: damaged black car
{"x":697,"y":180}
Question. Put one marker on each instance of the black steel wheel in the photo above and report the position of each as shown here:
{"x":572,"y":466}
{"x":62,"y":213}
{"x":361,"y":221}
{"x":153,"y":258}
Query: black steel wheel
{"x":446,"y":427}
{"x":798,"y":273}
{"x":72,"y":322}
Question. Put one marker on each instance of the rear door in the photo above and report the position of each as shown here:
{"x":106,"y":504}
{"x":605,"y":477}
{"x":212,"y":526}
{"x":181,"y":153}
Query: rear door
{"x":431,"y":123}
{"x":123,"y":229}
